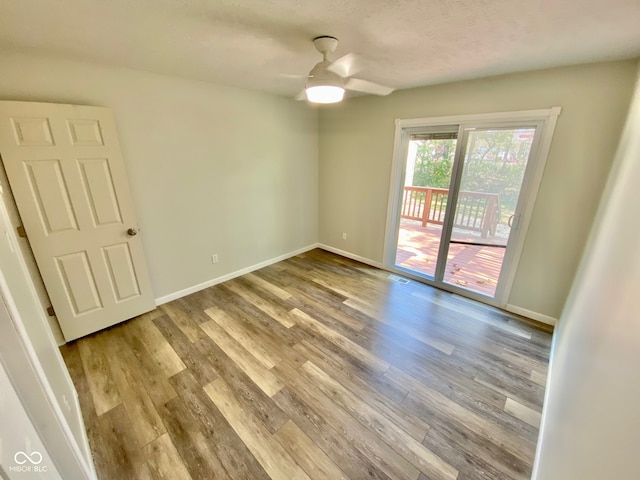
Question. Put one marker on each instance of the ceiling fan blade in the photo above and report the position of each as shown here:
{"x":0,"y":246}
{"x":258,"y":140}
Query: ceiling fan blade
{"x":302,"y":95}
{"x":293,"y":75}
{"x":346,"y":66}
{"x":365,"y":86}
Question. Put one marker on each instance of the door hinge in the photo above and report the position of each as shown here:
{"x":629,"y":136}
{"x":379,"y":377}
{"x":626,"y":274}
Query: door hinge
{"x":51,"y":312}
{"x":21,"y":232}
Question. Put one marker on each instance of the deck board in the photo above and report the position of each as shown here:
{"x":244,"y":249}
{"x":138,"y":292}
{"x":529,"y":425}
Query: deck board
{"x":476,"y":268}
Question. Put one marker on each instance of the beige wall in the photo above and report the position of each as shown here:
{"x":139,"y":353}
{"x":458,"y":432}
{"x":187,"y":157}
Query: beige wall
{"x":356,"y":143}
{"x":590,"y":421}
{"x":212,"y":169}
{"x":221,"y":170}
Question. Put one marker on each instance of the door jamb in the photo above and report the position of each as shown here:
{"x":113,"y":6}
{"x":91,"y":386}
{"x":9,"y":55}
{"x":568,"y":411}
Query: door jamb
{"x":21,"y":362}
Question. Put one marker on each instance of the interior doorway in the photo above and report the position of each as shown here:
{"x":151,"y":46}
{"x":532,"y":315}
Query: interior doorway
{"x":462,"y":195}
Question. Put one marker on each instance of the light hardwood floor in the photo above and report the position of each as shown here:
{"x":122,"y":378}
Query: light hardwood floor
{"x":317,"y":367}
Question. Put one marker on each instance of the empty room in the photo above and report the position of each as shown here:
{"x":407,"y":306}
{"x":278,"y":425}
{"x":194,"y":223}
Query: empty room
{"x":319,"y":240}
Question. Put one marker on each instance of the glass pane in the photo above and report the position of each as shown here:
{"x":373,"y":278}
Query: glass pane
{"x":427,"y":177}
{"x":493,"y":170}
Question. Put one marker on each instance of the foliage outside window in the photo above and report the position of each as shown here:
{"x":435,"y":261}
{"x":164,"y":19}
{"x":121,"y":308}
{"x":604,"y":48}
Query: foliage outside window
{"x":495,"y":163}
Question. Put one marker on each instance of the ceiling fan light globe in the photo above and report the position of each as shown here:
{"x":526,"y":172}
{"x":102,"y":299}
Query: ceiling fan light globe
{"x":325,"y":94}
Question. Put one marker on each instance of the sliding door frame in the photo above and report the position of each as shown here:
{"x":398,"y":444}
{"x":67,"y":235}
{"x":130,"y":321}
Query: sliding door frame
{"x":543,"y":120}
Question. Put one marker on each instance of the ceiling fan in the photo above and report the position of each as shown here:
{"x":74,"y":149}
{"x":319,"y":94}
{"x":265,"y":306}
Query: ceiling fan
{"x":328,"y":80}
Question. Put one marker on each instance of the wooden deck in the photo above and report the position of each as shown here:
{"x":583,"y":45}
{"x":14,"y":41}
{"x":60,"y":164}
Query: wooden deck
{"x":471,"y":267}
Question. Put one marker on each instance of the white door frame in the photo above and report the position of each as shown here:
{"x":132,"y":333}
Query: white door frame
{"x":19,"y":437}
{"x":545,"y":121}
{"x":71,"y":455}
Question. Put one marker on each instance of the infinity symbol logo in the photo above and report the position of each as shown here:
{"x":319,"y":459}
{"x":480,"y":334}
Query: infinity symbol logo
{"x":35,"y":458}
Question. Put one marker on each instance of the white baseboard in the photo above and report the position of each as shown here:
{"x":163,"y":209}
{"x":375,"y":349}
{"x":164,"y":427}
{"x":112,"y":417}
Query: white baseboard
{"x":214,"y":281}
{"x":229,"y":276}
{"x":352,"y":256}
{"x":539,"y":317}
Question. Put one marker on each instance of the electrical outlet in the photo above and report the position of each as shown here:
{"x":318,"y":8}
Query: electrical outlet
{"x":214,"y":258}
{"x":344,"y":235}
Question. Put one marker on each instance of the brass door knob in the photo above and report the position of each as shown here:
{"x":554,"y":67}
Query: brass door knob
{"x":132,"y":232}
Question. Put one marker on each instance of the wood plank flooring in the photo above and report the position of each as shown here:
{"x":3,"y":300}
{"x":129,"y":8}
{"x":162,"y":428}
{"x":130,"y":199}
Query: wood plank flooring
{"x":317,"y":367}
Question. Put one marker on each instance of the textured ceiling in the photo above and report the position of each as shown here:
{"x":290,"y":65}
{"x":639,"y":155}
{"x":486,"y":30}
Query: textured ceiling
{"x":258,"y":44}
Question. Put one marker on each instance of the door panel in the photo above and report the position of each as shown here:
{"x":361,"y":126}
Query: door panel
{"x":67,"y":175}
{"x":85,"y":132}
{"x":50,"y":194}
{"x":492,"y":171}
{"x":121,"y":271}
{"x":32,"y":131}
{"x":428,"y":168}
{"x":101,"y":195}
{"x":79,"y":282}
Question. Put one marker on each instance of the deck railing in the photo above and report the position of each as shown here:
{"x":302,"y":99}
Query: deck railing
{"x":476,"y":211}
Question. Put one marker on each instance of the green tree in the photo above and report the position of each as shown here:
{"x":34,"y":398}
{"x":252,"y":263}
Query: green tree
{"x":434,"y":163}
{"x":495,"y":162}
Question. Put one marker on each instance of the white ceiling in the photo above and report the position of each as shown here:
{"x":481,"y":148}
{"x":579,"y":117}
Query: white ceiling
{"x":252,"y":43}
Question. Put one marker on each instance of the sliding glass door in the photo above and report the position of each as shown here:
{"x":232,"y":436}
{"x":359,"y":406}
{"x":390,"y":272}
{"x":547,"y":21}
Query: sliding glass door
{"x":460,"y":192}
{"x":491,"y":173}
{"x":429,"y":165}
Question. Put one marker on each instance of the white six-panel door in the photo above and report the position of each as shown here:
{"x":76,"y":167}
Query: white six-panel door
{"x":67,"y":175}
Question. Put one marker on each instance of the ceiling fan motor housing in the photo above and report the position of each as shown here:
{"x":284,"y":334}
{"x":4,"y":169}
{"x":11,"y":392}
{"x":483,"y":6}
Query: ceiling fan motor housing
{"x":320,"y":75}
